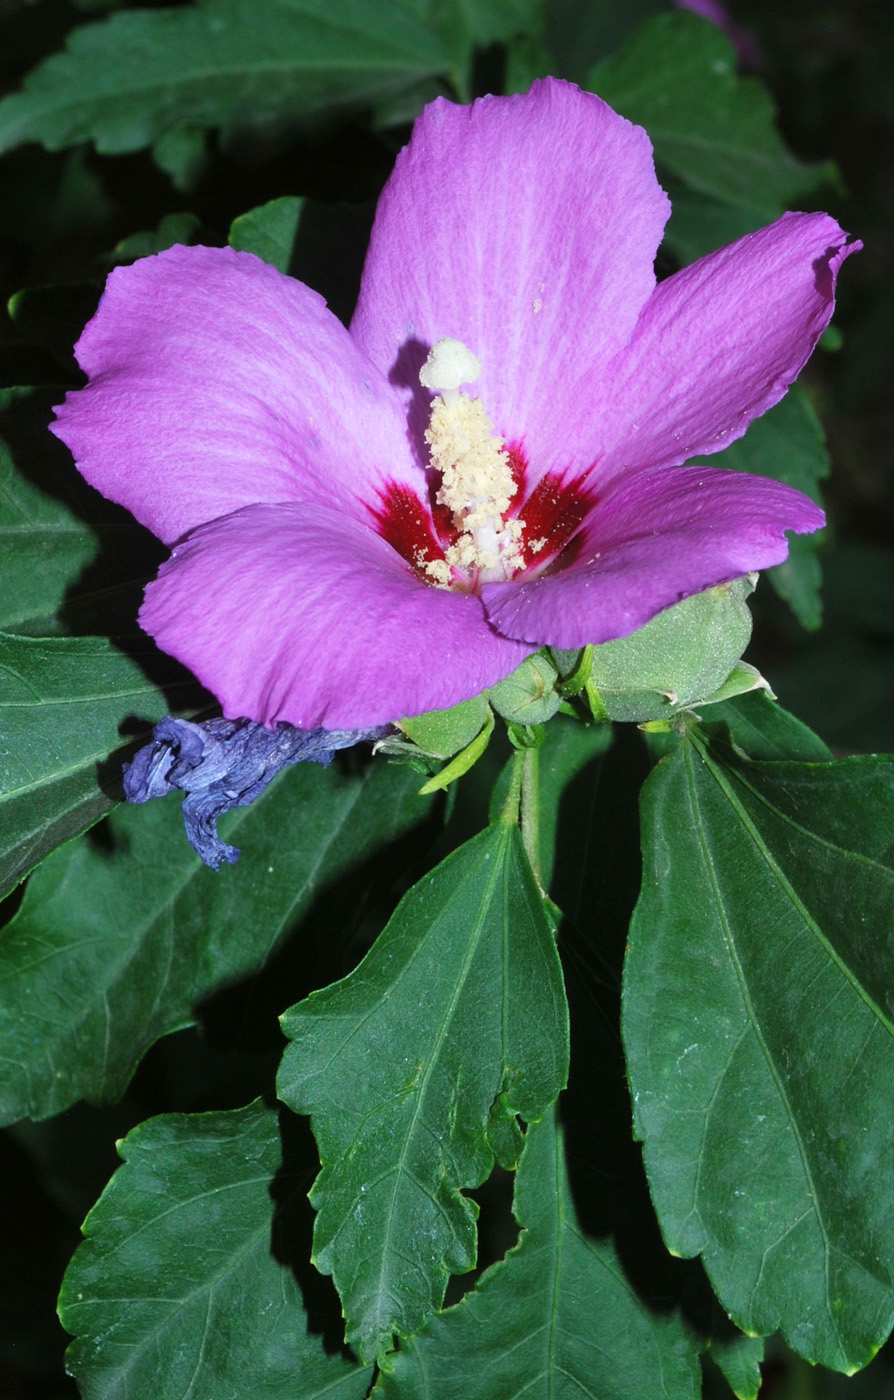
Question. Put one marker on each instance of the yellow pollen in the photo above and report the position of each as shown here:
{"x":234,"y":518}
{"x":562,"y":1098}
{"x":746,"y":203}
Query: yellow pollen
{"x":476,"y":480}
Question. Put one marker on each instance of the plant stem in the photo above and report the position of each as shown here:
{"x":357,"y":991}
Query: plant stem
{"x":512,"y":802}
{"x":522,"y":803}
{"x":530,"y":807}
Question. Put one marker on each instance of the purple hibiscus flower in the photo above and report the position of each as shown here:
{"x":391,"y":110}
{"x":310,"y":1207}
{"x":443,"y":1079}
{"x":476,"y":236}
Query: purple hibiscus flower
{"x":352,"y":544}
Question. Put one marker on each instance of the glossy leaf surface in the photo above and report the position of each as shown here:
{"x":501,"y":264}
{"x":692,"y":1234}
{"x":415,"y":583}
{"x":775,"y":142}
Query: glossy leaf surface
{"x":66,"y":705}
{"x":71,"y":561}
{"x":402,"y":1066}
{"x":180,"y":1251}
{"x":556,"y":1318}
{"x":269,"y":231}
{"x":676,"y":76}
{"x":121,"y":933}
{"x":124,"y":82}
{"x":759,"y":1028}
{"x":762,"y":728}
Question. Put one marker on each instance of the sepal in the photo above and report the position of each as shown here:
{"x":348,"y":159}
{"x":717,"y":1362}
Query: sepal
{"x":529,"y":695}
{"x":687,"y":655}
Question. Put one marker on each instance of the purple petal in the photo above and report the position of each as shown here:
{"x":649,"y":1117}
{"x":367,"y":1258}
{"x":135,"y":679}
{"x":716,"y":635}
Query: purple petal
{"x":525,"y":227}
{"x":216,"y":382}
{"x":655,"y":539}
{"x":221,"y":764}
{"x":300,"y":613}
{"x":718,"y":344}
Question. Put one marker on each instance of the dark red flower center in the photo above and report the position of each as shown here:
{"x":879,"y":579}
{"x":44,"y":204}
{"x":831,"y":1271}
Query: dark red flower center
{"x":551,"y":516}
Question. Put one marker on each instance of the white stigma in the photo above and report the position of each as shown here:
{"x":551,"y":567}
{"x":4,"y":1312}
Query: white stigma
{"x":448,"y":365}
{"x":476,"y":480}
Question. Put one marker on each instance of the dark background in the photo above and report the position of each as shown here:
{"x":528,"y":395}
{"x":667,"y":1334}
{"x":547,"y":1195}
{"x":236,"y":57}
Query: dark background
{"x":830,"y":69}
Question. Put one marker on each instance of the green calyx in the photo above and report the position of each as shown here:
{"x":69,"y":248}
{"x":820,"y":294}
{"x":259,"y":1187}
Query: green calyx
{"x":530,"y":695}
{"x":460,"y":735}
{"x":687,"y":655}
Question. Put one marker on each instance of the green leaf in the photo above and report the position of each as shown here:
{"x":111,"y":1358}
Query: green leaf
{"x":178,"y":1290}
{"x":173,"y":228}
{"x":557,"y":1316}
{"x":400,"y":1066}
{"x":763,"y":729}
{"x":117,"y":940}
{"x":181,"y":152}
{"x":124,"y":82}
{"x":269,"y":231}
{"x":596,"y":880}
{"x":699,"y":224}
{"x":527,"y":59}
{"x":739,"y":1358}
{"x":44,"y":545}
{"x":758,"y":1024}
{"x":66,"y":705}
{"x":580,"y":32}
{"x":496,"y":21}
{"x":467,"y":24}
{"x":788,"y":445}
{"x":323,"y":245}
{"x":677,"y":77}
{"x":71,"y":561}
